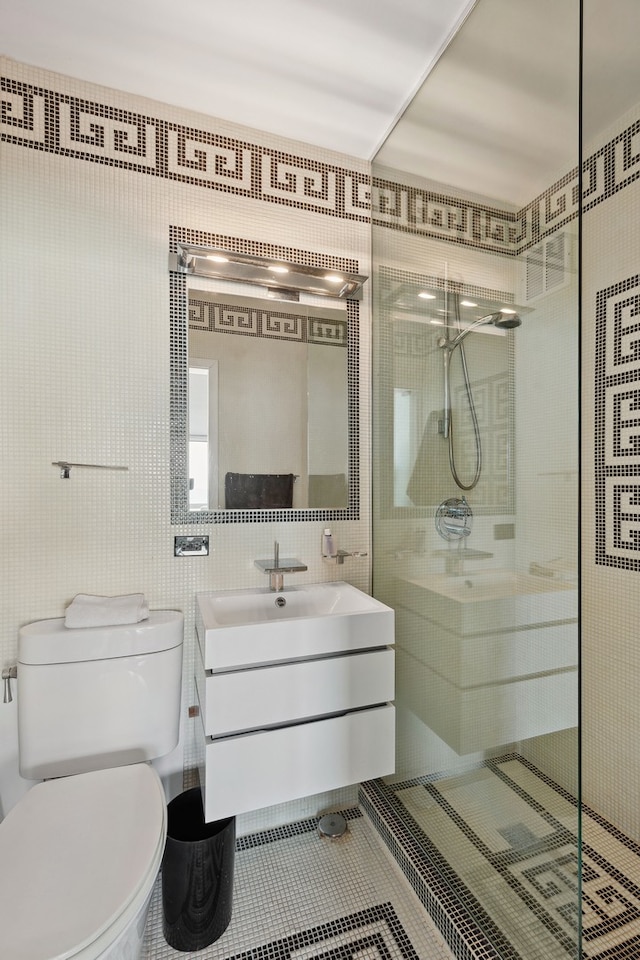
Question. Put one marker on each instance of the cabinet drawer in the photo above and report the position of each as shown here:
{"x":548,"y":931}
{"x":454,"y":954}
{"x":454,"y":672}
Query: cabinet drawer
{"x":264,"y":696}
{"x":259,"y":769}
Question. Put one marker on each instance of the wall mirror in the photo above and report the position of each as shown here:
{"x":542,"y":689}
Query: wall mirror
{"x":264,"y":403}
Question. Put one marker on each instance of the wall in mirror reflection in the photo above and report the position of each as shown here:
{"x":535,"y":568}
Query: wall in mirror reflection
{"x":268,"y":403}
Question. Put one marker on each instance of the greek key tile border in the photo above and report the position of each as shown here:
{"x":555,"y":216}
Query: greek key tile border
{"x":617,"y":425}
{"x":46,"y":120}
{"x":374,"y":932}
{"x":210,"y":316}
{"x":541,"y":873}
{"x":41,"y":119}
{"x":431,"y":878}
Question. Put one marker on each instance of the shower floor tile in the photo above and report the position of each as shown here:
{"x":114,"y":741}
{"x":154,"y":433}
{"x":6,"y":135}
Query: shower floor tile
{"x":298,"y":897}
{"x":497,"y":848}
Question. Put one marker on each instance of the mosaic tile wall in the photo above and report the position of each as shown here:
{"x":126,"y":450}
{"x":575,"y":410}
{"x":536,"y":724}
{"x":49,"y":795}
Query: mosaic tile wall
{"x":92,"y":181}
{"x":89,"y":194}
{"x":616,"y":425}
{"x":172,"y":148}
{"x":606,"y":170}
{"x":525,"y":905}
{"x":547,"y":450}
{"x":610,"y":546}
{"x":44,"y":117}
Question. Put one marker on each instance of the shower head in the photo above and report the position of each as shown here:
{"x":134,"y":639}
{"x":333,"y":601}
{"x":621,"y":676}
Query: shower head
{"x":503,"y":321}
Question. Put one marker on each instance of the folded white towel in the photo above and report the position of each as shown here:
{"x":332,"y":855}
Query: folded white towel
{"x":89,"y":611}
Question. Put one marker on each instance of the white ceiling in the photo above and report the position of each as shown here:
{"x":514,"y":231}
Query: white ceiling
{"x":499,"y":114}
{"x":497,"y":117}
{"x":333,"y":73}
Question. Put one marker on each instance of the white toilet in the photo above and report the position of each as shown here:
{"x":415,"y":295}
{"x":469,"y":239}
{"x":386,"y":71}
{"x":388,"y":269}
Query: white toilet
{"x":80,"y":853}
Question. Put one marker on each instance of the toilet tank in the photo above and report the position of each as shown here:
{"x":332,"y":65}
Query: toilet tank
{"x":91,"y":698}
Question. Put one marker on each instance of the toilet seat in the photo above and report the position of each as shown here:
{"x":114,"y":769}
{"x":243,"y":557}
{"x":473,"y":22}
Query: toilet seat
{"x":77,"y":853}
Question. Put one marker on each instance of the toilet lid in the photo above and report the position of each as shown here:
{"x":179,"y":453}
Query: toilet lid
{"x":74,"y":853}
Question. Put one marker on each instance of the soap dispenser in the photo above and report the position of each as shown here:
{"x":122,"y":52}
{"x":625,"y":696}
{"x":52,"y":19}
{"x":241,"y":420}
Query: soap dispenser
{"x":329,"y":548}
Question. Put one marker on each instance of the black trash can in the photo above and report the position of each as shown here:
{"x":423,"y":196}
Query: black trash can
{"x":197,"y":874}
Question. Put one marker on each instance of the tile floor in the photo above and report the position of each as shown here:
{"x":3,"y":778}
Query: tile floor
{"x":494,"y":854}
{"x":297,"y":895}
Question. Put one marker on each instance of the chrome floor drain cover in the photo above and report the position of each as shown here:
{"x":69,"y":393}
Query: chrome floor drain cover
{"x":332,"y":826}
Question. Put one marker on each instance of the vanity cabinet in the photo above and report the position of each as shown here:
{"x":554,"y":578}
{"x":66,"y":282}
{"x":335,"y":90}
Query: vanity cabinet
{"x":489,"y":659}
{"x":278,"y":731}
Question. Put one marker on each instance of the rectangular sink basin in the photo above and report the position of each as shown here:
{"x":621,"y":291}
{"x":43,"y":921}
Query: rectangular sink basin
{"x":492,"y":585}
{"x":244,"y":628}
{"x":489,"y":600}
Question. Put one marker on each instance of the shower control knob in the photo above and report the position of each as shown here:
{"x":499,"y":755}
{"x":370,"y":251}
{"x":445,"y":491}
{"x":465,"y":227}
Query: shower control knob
{"x":454,"y":519}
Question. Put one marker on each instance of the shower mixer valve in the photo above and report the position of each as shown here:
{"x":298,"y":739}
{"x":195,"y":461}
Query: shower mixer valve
{"x":454,"y":519}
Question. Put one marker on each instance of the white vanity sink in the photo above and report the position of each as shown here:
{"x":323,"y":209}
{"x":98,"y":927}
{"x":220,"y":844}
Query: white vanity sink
{"x":295,"y":697}
{"x":238,"y":628}
{"x":480,"y":652}
{"x":489,"y":599}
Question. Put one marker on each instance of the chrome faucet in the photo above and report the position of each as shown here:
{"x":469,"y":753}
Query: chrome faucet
{"x":277,"y":568}
{"x":454,"y":560}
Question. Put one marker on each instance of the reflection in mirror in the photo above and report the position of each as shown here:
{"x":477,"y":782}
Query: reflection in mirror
{"x":264,"y":405}
{"x":417,"y":317}
{"x":268,"y":404}
{"x":481,"y":181}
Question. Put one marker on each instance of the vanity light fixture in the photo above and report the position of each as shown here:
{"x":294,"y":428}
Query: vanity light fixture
{"x":246,"y":268}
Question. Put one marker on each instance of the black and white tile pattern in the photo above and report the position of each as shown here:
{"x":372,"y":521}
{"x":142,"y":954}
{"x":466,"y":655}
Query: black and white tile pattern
{"x":493,"y":853}
{"x":298,"y":896}
{"x":617,"y":425}
{"x":49,"y":120}
{"x":240,"y":319}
